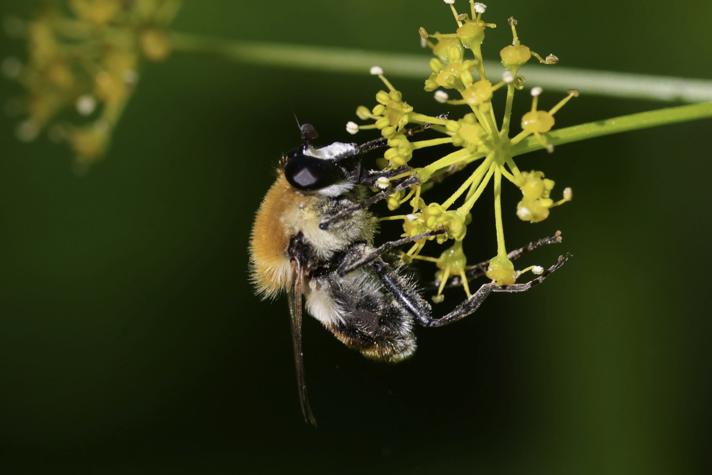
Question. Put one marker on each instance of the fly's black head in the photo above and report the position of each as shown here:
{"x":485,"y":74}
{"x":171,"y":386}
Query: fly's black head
{"x":307,"y":168}
{"x":308,"y":173}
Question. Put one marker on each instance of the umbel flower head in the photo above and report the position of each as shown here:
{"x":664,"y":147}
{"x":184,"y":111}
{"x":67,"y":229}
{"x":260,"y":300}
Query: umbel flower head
{"x":83,"y":60}
{"x":479,"y":140}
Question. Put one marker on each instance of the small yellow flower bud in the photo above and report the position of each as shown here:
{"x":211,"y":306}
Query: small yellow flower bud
{"x":400,"y":151}
{"x":413,"y":225}
{"x":471,"y":33}
{"x":534,"y":211}
{"x":478,"y":92}
{"x":155,"y":44}
{"x":383,"y":97}
{"x":378,"y":110}
{"x":538,"y":122}
{"x":501,"y":271}
{"x":444,"y":47}
{"x":514,"y":56}
{"x":456,"y":226}
{"x":394,"y":201}
{"x":99,"y":12}
{"x":432,"y":216}
{"x":467,"y":132}
{"x":453,"y":260}
{"x":363,"y":113}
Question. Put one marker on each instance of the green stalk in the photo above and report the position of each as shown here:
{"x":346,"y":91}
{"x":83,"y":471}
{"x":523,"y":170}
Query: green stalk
{"x":616,"y":125}
{"x":344,"y":60}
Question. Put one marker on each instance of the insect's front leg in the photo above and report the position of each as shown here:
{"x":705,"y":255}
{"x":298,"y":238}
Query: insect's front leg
{"x":368,"y":202}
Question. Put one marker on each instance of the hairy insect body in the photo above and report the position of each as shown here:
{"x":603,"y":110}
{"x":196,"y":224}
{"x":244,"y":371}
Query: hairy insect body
{"x":355,"y":306}
{"x":313,"y":240}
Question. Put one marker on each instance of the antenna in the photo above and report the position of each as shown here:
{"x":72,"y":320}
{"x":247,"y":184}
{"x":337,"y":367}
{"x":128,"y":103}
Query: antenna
{"x":307,"y":131}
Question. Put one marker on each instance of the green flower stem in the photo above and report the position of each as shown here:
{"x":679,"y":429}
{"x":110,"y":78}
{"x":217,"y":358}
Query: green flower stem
{"x":431,"y":143}
{"x":343,"y":60}
{"x":615,"y":125}
{"x":501,"y":247}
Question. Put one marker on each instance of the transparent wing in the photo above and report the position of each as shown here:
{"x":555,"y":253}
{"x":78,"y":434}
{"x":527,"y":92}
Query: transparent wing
{"x":295,"y":297}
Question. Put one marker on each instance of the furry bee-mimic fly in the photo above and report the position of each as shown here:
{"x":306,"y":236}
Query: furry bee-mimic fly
{"x":313,"y":238}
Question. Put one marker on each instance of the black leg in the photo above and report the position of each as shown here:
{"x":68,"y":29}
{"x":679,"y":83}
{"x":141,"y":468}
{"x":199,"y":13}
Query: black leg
{"x":471,"y":305}
{"x":368,"y":202}
{"x":478,"y":270}
{"x":373,"y":175}
{"x":377,"y":144}
{"x":374,"y":254}
{"x":414,"y":303}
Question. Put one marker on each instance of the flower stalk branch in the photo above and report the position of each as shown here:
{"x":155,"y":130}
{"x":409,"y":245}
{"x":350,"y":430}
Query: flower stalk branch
{"x":411,"y":66}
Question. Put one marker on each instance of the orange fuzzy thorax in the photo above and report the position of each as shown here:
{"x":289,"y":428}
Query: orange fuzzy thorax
{"x":270,"y":239}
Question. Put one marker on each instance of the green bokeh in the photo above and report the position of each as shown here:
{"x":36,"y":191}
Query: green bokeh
{"x":131,"y":342}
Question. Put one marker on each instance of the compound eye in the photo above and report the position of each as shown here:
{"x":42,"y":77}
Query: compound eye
{"x":309,"y":173}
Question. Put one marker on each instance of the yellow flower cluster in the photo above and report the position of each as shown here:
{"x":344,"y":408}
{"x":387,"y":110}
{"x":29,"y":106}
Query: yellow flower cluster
{"x":476,"y":138}
{"x":82,"y":65}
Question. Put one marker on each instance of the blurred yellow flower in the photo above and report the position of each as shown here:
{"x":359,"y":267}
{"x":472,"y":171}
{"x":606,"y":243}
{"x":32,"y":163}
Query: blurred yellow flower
{"x":83,"y":62}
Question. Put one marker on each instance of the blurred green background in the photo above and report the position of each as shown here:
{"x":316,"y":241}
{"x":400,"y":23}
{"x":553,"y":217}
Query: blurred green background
{"x":131,"y":342}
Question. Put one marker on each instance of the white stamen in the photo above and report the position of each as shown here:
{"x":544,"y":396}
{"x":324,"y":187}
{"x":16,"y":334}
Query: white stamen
{"x":568,"y":193}
{"x":537,"y":270}
{"x":411,"y":217}
{"x":508,"y":77}
{"x":382,"y":183}
{"x":86,"y":105}
{"x":27,"y":131}
{"x":376,"y":71}
{"x":441,"y":96}
{"x":11,"y":67}
{"x":449,"y":2}
{"x":551,"y":58}
{"x":524,"y":213}
{"x":536,"y":91}
{"x":480,"y":7}
{"x":352,"y":127}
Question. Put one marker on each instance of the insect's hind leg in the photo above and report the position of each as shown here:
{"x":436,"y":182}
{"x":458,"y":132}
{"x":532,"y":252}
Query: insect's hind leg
{"x":476,"y":271}
{"x":470,"y":306}
{"x":422,"y":311}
